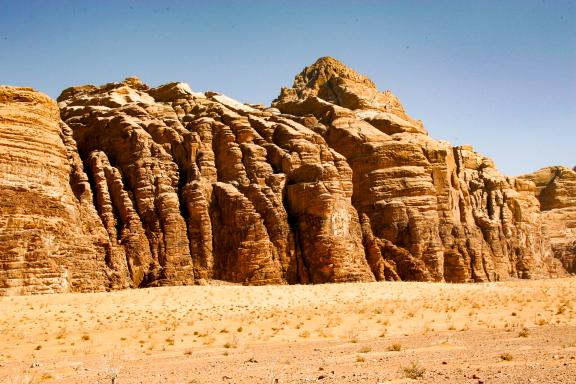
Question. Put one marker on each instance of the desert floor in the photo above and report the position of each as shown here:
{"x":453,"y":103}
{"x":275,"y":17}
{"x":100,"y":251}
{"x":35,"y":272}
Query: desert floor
{"x":513,"y":332}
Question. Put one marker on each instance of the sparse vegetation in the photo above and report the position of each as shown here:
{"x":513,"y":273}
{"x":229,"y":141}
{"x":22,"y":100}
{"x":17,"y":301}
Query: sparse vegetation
{"x":233,"y":343}
{"x":111,"y":367}
{"x":506,"y":356}
{"x":353,"y":335}
{"x":365,"y":349}
{"x":413,"y":370}
{"x":305,"y":334}
{"x":149,"y":323}
{"x":524,"y":332}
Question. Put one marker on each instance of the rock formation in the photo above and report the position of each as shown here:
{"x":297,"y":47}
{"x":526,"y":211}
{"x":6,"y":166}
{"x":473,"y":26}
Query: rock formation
{"x":134,"y":186}
{"x":430,"y":211}
{"x":555,"y":187}
{"x":51,"y":239}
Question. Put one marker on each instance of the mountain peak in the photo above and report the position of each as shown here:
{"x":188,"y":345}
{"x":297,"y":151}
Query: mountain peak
{"x":313,"y":77}
{"x":336,"y":83}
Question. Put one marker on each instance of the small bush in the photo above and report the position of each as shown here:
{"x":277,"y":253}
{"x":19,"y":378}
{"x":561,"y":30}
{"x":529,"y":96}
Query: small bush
{"x":61,"y":334}
{"x":396,"y":347}
{"x":506,"y":357}
{"x":413,"y":371}
{"x":232,"y":343}
{"x":304,"y":334}
{"x":524,"y":332}
{"x":365,"y":349}
{"x":353,"y":335}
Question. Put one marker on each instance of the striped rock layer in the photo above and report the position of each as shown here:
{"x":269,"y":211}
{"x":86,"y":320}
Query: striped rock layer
{"x":124,"y":185}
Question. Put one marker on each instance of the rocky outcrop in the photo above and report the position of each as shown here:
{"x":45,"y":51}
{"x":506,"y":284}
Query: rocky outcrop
{"x":134,"y":186}
{"x":196,"y":186}
{"x":430,"y":211}
{"x":555,"y":187}
{"x":51,"y":239}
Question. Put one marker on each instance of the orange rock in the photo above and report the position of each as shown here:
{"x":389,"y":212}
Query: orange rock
{"x":335,"y":182}
{"x":430,"y":210}
{"x":51,"y":239}
{"x":555,"y":188}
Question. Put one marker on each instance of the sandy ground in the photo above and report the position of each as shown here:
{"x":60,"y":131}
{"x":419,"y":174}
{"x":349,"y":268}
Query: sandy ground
{"x":513,"y":332}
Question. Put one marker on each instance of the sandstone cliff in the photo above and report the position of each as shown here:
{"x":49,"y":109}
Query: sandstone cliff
{"x":430,"y":211}
{"x":138,"y":186}
{"x":198,"y":186}
{"x":51,"y":239}
{"x":555,"y":187}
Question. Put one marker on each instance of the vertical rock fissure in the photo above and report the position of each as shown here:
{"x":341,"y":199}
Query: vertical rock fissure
{"x":335,"y":182}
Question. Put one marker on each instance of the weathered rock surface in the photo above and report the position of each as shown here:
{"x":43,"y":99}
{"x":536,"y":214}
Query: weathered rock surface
{"x":430,"y":211}
{"x":200,"y":186}
{"x":555,"y":187}
{"x":138,"y":186}
{"x":51,"y":239}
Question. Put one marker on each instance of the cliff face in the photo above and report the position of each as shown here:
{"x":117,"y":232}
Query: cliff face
{"x":430,"y":211}
{"x":198,"y":186}
{"x":334,"y":183}
{"x":51,"y":239}
{"x":555,"y":187}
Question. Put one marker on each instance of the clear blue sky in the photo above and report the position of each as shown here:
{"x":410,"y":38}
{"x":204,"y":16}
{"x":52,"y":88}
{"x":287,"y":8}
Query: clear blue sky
{"x":500,"y":75}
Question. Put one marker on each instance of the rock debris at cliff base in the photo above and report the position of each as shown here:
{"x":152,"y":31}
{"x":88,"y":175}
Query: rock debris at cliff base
{"x":125,"y":185}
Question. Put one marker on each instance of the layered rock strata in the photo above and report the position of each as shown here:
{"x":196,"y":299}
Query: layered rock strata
{"x":132,"y":186}
{"x":207,"y":188}
{"x":430,"y":211}
{"x":51,"y":238}
{"x":555,"y":188}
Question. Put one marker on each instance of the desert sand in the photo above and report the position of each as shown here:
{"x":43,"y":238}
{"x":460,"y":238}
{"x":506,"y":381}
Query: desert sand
{"x":506,"y":332}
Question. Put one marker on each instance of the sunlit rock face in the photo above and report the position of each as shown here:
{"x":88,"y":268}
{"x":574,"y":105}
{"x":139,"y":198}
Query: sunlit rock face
{"x":429,"y":211}
{"x":555,"y":187}
{"x":51,"y":238}
{"x":131,"y":186}
{"x":199,"y":186}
